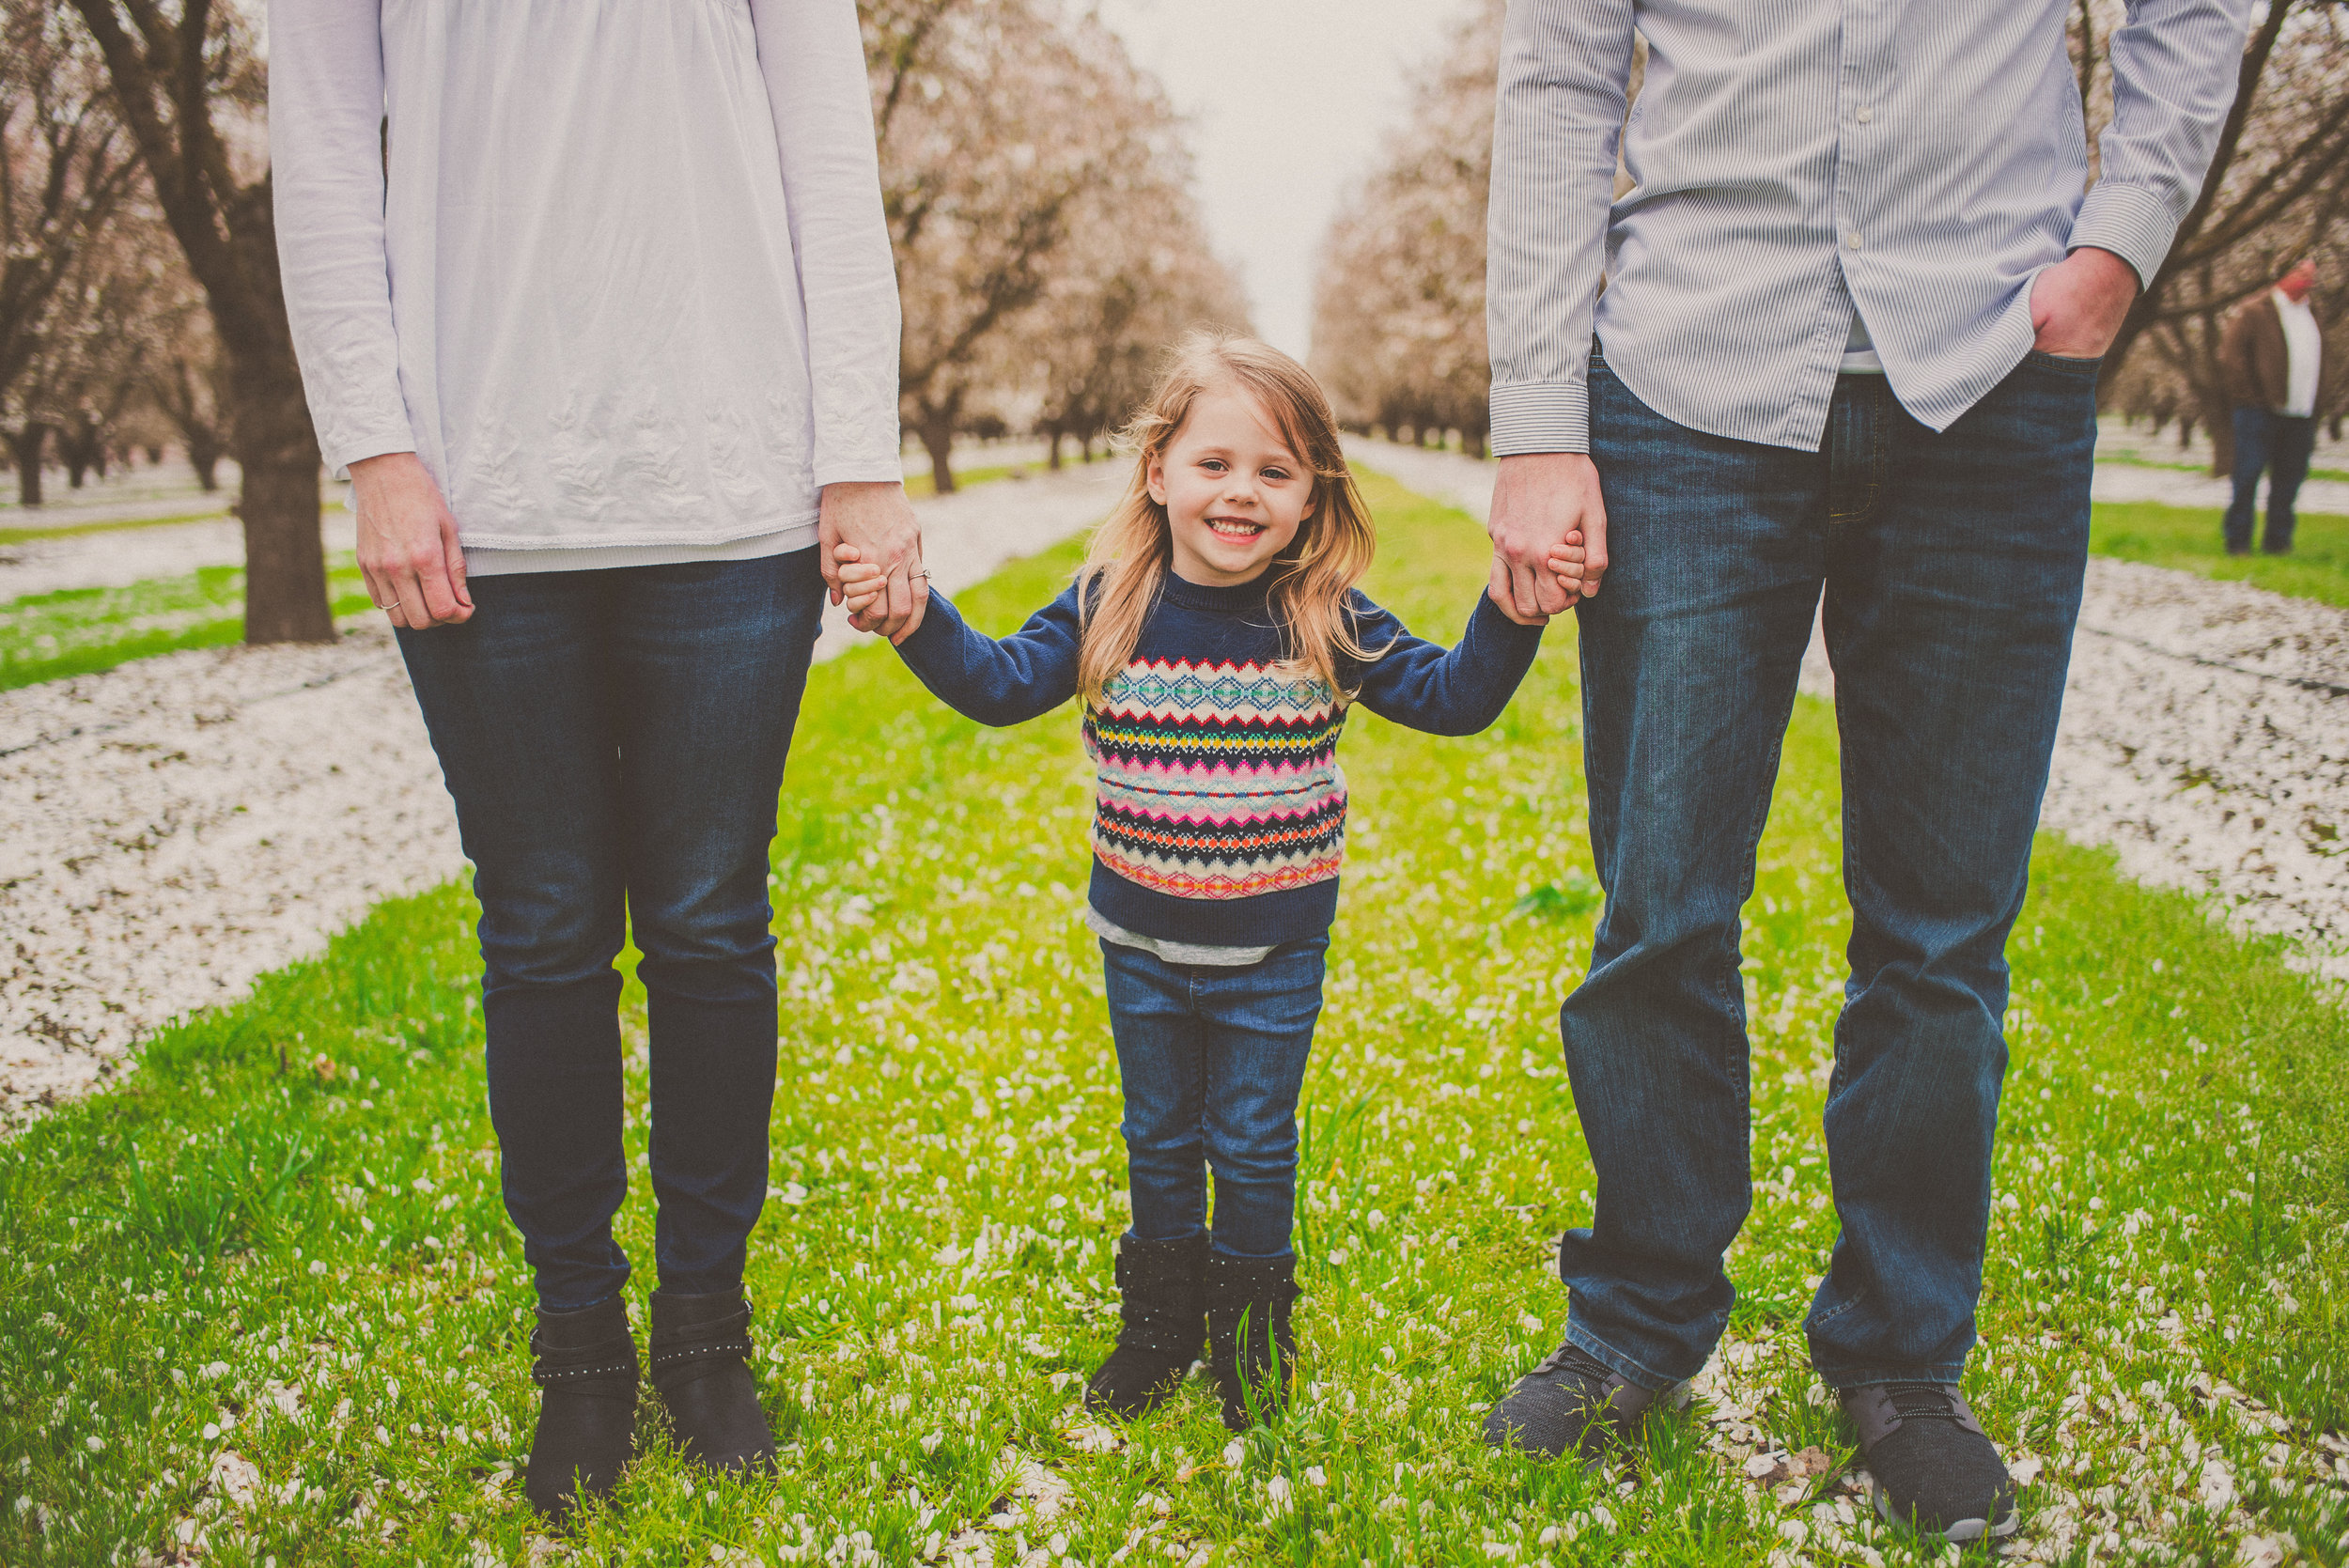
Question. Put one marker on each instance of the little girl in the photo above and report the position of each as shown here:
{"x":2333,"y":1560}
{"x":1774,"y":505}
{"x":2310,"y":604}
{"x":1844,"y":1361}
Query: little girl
{"x":1217,"y":640}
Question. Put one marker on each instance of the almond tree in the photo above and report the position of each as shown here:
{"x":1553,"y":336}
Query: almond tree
{"x":185,"y":384}
{"x":1002,"y":125}
{"x":1399,"y":304}
{"x":189,"y":86}
{"x":1137,"y":274}
{"x":66,"y":166}
{"x":84,"y":368}
{"x":2278,"y":190}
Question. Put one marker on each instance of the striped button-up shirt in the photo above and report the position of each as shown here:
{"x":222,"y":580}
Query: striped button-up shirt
{"x":1794,"y":160}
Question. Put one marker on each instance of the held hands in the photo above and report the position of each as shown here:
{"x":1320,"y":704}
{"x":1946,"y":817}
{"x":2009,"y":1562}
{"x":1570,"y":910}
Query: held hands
{"x":2076,"y":305}
{"x":873,"y":524}
{"x":1549,"y":530}
{"x":408,"y":550}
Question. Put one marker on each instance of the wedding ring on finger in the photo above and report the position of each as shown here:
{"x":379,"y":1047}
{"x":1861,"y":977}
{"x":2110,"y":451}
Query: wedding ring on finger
{"x":394,"y":605}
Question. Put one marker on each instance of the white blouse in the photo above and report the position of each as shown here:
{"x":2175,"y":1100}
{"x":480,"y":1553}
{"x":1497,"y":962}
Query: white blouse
{"x":617,"y":269}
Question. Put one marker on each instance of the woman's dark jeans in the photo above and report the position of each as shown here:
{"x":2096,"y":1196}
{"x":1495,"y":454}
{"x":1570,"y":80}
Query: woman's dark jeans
{"x":614,"y":743}
{"x":1952,"y":564}
{"x":1212,"y":1058}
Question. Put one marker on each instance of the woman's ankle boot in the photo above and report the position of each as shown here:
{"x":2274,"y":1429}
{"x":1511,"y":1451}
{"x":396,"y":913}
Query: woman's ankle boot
{"x":1252,"y":1350}
{"x":701,"y":1363}
{"x":1163,"y":1287}
{"x":586,"y":1376}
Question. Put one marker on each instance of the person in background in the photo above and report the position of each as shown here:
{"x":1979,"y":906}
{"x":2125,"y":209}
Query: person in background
{"x":2271,"y":357}
{"x":595,"y":303}
{"x":1856,"y":297}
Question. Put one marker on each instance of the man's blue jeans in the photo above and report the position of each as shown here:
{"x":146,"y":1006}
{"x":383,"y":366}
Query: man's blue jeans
{"x":1951,"y":566}
{"x":2280,"y":445}
{"x":1212,"y":1058}
{"x":614,"y":743}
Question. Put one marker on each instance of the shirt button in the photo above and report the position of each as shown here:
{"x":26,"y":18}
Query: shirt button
{"x":1853,"y":240}
{"x":1866,"y":114}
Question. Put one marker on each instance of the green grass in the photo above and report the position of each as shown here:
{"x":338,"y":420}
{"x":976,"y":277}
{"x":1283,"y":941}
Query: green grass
{"x":75,"y":530}
{"x":282,"y":1238}
{"x":2187,"y":539}
{"x":75,"y":631}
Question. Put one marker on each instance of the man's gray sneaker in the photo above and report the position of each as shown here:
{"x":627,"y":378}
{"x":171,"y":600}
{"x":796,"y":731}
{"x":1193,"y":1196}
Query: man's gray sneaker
{"x":1572,"y":1402}
{"x":1935,"y":1469}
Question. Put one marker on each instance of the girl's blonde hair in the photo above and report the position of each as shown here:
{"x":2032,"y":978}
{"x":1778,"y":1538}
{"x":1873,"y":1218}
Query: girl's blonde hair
{"x":1131,"y":552}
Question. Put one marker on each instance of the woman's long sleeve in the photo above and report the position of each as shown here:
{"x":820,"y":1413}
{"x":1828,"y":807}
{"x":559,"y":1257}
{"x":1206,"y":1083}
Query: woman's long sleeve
{"x":812,"y":53}
{"x":326,"y":158}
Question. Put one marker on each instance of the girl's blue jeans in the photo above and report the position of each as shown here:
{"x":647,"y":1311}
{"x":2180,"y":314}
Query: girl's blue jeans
{"x":1213,"y":1059}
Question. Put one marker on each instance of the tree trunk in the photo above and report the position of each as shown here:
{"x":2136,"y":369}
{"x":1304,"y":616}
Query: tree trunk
{"x":27,"y":447}
{"x":1051,"y":437}
{"x":204,"y":454}
{"x":78,"y":450}
{"x":938,"y":440}
{"x":285,"y":561}
{"x":2220,"y":418}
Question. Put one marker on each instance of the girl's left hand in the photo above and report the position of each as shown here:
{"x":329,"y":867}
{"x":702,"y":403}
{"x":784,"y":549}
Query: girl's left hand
{"x":1565,"y":564}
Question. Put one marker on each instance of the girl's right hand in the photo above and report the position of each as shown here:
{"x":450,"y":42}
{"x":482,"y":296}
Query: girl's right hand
{"x":861,"y":585}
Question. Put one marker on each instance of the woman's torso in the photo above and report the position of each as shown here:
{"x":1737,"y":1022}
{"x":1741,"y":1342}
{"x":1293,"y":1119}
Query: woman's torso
{"x":600,"y":330}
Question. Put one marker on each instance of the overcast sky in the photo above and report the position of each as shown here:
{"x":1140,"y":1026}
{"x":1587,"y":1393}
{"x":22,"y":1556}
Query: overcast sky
{"x":1287,"y":101}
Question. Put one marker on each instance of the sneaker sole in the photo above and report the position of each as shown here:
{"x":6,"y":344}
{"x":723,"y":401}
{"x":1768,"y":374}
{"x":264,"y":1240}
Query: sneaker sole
{"x":1960,"y":1533}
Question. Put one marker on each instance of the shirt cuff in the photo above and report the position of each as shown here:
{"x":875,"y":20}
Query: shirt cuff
{"x":2130,"y":221}
{"x":860,"y":471}
{"x":358,"y":449}
{"x":1541,"y":416}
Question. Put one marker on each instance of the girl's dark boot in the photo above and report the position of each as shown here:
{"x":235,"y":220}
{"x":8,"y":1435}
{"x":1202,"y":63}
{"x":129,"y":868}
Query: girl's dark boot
{"x":1163,"y":1287}
{"x":586,"y":1376}
{"x":701,"y":1363}
{"x":1251,"y":1351}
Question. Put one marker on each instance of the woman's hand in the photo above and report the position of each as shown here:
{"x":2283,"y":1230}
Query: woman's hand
{"x":407,"y":549}
{"x":875,"y":522}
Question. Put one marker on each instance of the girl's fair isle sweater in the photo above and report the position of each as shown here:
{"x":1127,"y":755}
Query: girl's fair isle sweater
{"x":1220,"y":807}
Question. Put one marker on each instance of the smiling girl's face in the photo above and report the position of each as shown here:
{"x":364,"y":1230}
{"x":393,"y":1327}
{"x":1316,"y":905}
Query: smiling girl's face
{"x":1234,"y":492}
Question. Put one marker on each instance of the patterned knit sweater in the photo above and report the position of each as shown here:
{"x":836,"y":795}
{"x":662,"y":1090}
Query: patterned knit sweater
{"x":1220,"y":811}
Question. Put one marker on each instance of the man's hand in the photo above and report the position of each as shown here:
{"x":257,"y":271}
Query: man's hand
{"x":1546,"y":507}
{"x":407,"y":549}
{"x":2078,"y":303}
{"x":878,"y":521}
